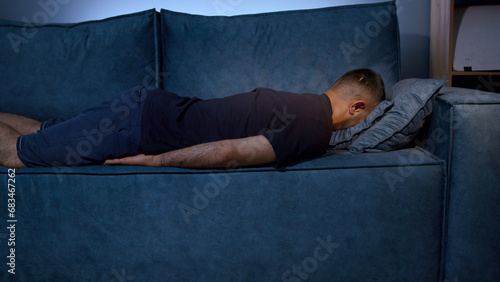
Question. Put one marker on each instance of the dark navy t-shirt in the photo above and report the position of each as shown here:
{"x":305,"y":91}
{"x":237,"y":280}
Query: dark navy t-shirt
{"x":298,"y":126}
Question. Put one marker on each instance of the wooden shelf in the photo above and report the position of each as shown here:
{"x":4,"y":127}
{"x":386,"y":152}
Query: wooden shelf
{"x":475,"y":73}
{"x":442,"y":47}
{"x":475,"y":2}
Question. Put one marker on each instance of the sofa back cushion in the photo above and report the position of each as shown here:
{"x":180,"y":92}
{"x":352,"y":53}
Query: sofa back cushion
{"x":60,"y":69}
{"x":296,"y":51}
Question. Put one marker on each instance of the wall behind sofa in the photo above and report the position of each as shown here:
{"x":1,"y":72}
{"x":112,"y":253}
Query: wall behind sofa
{"x":414,"y":17}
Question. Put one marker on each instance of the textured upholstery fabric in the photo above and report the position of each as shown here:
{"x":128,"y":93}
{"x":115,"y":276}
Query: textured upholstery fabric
{"x":465,"y":131}
{"x":413,"y":101}
{"x":61,"y":69}
{"x":294,"y":51}
{"x":341,"y":217}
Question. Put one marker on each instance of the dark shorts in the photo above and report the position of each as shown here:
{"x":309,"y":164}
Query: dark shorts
{"x":109,"y":130}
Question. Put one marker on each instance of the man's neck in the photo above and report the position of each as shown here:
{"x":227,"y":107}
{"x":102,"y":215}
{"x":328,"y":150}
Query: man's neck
{"x":331,"y":95}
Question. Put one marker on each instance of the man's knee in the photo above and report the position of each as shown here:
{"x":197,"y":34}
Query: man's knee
{"x":12,"y":161}
{"x":8,"y":147}
{"x":9,"y":157}
{"x":35,"y":126}
{"x":21,"y":124}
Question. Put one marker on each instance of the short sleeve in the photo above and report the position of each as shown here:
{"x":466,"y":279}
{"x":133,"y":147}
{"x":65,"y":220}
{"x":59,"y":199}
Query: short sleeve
{"x":297,"y":139}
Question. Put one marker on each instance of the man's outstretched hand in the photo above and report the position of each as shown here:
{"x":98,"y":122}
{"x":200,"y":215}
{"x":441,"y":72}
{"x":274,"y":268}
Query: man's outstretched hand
{"x":242,"y":152}
{"x":141,"y":159}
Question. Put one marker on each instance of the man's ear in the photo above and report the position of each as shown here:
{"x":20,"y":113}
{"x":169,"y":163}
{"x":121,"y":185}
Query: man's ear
{"x":357,"y":107}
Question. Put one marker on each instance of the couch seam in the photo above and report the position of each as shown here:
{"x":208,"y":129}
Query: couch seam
{"x":71,"y":25}
{"x":298,"y":11}
{"x":444,"y":239}
{"x":437,"y":163}
{"x":429,"y":154}
{"x":158,"y":46}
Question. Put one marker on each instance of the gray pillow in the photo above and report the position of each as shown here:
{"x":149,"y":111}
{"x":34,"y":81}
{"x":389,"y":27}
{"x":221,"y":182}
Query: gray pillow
{"x":342,"y":139}
{"x":412,"y":103}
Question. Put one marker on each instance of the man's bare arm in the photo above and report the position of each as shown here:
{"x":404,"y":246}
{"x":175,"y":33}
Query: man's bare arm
{"x":242,"y":152}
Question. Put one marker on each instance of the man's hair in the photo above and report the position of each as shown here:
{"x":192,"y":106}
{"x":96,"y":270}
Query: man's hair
{"x":363,"y":84}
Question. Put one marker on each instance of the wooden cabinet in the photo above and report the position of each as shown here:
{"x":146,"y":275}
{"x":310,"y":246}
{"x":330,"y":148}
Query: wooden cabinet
{"x":443,"y":44}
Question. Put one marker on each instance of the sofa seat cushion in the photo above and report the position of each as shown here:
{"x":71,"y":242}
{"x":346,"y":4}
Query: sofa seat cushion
{"x":251,"y":224}
{"x":303,"y":51}
{"x":61,"y":69}
{"x":333,"y":159}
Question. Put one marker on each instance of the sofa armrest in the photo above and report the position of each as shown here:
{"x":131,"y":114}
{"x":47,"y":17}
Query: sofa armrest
{"x":464,"y":130}
{"x":463,"y":121}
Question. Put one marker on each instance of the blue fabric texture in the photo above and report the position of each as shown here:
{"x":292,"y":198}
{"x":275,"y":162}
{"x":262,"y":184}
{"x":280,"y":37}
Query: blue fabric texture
{"x":403,"y":215}
{"x":342,"y":139}
{"x":413,"y":101}
{"x":63,"y":69}
{"x":294,"y":51}
{"x":464,"y":131}
{"x":166,"y":224}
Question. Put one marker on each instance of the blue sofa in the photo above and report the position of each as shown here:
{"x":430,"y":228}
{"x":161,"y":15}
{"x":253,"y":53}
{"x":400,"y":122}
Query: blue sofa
{"x":426,"y":212}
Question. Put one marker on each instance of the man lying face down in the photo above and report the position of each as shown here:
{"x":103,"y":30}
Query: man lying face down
{"x":153,"y":127}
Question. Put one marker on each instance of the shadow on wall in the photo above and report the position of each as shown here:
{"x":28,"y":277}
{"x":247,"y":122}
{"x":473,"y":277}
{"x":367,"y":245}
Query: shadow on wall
{"x":414,"y":56}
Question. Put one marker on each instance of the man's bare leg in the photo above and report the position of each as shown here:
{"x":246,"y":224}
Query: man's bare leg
{"x":8,"y":150}
{"x":22,"y":125}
